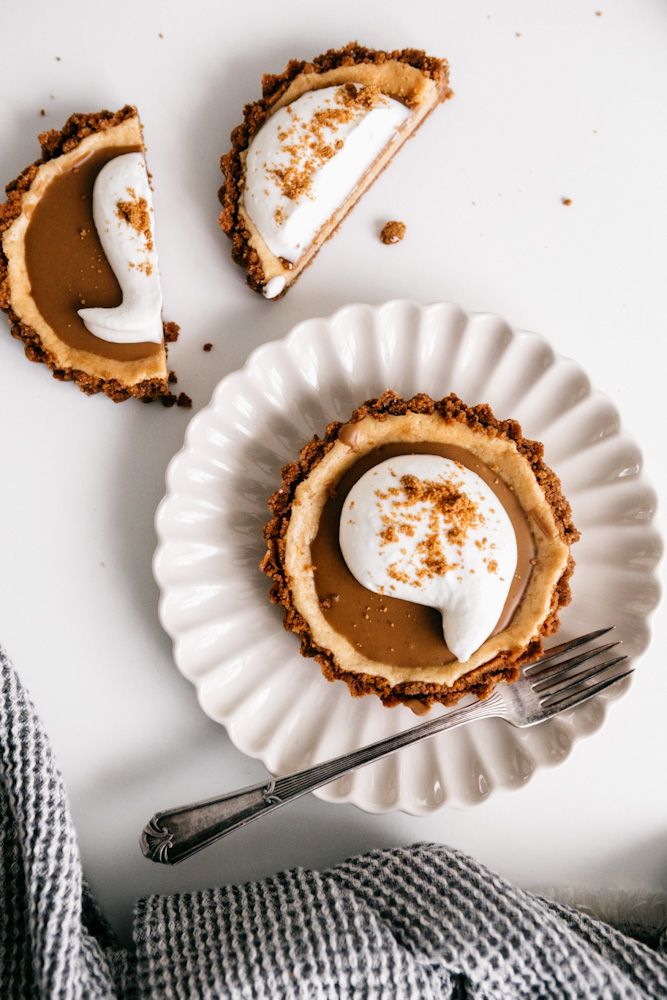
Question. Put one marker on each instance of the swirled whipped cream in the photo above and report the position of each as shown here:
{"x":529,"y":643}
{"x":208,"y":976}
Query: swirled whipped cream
{"x":426,"y":529}
{"x":123,"y":216}
{"x":307,"y":158}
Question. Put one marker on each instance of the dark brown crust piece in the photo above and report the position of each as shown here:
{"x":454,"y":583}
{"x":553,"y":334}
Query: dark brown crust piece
{"x":55,"y":143}
{"x":482,"y":680}
{"x":392,"y":232}
{"x":255,"y":114}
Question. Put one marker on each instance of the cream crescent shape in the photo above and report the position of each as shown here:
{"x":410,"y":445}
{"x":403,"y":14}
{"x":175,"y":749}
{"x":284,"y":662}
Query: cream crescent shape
{"x":414,"y":540}
{"x":129,"y":246}
{"x":307,"y":158}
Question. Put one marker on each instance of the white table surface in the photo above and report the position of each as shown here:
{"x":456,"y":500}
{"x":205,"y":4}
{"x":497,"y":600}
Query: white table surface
{"x":552,"y":101}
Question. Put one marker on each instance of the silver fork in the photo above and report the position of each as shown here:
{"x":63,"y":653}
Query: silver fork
{"x":546,"y":687}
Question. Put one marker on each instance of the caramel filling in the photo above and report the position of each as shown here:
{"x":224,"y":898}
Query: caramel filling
{"x":383,"y":628}
{"x":66,"y":265}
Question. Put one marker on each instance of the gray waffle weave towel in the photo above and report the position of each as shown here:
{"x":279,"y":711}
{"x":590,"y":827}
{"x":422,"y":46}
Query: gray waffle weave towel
{"x":420,"y":922}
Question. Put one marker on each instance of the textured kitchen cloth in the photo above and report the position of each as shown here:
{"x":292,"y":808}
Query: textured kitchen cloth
{"x":419,"y":922}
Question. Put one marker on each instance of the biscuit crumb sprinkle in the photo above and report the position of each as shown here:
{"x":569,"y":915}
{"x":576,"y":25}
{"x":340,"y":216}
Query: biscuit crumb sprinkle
{"x":137,"y":215}
{"x":392,"y":232}
{"x":444,"y":500}
{"x":309,"y":144}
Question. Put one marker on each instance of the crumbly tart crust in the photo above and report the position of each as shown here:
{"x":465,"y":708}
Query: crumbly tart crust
{"x":333,"y":67}
{"x":55,"y":143}
{"x":505,"y":663}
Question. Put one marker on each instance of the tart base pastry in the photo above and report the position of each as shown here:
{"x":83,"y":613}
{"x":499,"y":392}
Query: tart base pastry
{"x":416,"y":81}
{"x":428,"y":672}
{"x":45,"y":222}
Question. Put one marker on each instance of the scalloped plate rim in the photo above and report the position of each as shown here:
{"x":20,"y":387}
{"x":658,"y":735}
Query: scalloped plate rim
{"x":189,"y":449}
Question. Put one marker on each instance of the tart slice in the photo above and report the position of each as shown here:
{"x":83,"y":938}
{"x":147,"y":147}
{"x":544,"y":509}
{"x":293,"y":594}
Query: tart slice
{"x":421,"y":550}
{"x":78,"y":266}
{"x":312,"y":145}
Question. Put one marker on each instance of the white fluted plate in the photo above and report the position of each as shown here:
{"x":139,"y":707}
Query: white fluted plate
{"x":228,"y":639}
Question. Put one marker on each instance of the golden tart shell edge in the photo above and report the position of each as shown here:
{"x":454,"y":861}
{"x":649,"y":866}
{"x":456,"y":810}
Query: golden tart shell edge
{"x":410,"y":76}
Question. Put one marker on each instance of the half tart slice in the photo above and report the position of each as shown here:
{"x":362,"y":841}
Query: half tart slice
{"x":78,"y":266}
{"x":312,"y":145}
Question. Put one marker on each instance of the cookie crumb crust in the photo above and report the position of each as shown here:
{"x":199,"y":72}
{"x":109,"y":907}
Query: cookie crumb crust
{"x":479,"y":681}
{"x":54,"y":143}
{"x":255,"y":114}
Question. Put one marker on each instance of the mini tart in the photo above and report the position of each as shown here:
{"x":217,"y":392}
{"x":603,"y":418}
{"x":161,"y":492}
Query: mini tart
{"x":66,"y":347}
{"x":409,"y":76}
{"x":310,"y":481}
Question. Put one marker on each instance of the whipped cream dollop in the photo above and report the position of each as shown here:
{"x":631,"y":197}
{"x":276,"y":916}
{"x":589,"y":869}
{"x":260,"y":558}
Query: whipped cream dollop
{"x":425,"y":529}
{"x":307,"y":158}
{"x":123,"y":216}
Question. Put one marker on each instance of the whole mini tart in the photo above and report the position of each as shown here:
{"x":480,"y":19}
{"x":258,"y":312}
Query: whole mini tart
{"x":421,"y":550}
{"x":78,"y":264}
{"x":320,"y":135}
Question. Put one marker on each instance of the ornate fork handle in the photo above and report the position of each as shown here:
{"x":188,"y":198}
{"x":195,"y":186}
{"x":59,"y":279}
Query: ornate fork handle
{"x":175,"y":834}
{"x":547,"y":687}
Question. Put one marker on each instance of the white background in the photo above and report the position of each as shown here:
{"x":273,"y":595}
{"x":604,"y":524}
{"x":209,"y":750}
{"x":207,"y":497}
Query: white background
{"x":552,"y":101}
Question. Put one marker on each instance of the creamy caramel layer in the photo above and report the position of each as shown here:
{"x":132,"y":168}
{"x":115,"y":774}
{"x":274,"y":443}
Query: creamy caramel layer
{"x":67,"y":268}
{"x":383,"y":628}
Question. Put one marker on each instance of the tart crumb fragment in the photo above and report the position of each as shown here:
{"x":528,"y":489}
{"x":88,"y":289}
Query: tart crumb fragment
{"x":392,"y":232}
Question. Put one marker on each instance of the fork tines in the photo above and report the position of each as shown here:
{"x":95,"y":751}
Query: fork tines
{"x":564,"y":647}
{"x":563,"y":684}
{"x":576,"y":689}
{"x":542,"y":676}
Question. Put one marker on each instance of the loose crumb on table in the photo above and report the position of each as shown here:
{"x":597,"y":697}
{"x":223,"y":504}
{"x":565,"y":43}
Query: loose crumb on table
{"x":392,"y":232}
